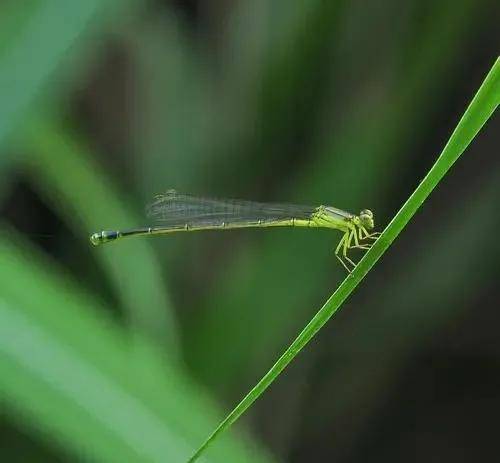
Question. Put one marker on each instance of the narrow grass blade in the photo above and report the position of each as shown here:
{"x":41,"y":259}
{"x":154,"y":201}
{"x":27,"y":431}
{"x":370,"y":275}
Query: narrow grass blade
{"x":479,"y":111}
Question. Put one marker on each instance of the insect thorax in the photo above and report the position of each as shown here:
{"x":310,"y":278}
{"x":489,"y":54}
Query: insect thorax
{"x":322,"y":217}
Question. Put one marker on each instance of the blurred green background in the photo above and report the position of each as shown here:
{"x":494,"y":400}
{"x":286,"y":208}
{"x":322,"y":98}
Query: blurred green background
{"x":135,"y":351}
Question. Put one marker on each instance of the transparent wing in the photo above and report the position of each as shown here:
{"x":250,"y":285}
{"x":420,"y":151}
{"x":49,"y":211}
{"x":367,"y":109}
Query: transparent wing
{"x":176,"y":210}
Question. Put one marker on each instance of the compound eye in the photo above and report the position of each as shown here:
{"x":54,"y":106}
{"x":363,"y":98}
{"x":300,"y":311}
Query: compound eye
{"x":366,"y":218}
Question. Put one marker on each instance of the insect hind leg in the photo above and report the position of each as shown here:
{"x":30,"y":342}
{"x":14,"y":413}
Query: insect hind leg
{"x":342,"y":245}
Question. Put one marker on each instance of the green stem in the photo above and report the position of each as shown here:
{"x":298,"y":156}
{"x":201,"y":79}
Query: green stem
{"x":479,"y":111}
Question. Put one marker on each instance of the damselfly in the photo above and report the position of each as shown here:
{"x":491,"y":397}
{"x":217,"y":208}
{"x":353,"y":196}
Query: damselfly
{"x":173,"y":212}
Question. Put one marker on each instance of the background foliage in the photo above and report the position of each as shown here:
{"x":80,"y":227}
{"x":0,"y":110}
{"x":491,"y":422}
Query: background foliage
{"x":134,"y":352}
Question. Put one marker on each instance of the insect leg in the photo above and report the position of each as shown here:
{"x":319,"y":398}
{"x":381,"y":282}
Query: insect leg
{"x":339,"y":246}
{"x":364,"y":246}
{"x":372,"y":236}
{"x":347,"y":246}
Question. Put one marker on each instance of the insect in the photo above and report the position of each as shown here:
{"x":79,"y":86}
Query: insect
{"x":173,"y":212}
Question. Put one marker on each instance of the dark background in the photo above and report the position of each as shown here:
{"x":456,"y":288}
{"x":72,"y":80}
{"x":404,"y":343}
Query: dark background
{"x":321,"y":102}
